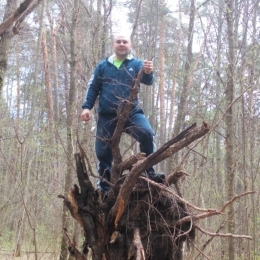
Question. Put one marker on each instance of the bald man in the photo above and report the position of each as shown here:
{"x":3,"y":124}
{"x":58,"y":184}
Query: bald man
{"x":112,"y":81}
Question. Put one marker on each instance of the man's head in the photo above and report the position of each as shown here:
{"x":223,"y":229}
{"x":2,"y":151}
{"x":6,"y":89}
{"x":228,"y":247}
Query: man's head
{"x":122,"y":46}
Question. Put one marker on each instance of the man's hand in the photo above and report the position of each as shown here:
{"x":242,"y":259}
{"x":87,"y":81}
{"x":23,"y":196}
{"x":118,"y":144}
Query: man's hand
{"x":85,"y":115}
{"x":148,"y":67}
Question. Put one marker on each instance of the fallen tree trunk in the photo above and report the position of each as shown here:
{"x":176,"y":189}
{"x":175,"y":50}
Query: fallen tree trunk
{"x":138,"y":219}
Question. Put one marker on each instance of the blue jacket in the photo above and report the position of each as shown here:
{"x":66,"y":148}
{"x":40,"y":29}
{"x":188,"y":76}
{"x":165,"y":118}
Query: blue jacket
{"x":112,"y":84}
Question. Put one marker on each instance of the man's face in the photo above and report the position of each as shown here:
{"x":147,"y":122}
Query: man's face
{"x":122,"y":46}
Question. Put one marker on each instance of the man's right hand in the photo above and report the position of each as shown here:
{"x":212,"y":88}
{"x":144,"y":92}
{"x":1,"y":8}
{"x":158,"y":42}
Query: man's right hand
{"x":85,"y":115}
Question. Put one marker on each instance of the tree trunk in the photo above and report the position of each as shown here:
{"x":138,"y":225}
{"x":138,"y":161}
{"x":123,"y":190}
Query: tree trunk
{"x":54,"y":32}
{"x":35,"y":91}
{"x":186,"y":81}
{"x":48,"y":87}
{"x":70,"y":107}
{"x":218,"y":83}
{"x":162,"y":83}
{"x":173,"y":88}
{"x":230,"y":161}
{"x":5,"y":42}
{"x":253,"y":129}
{"x":11,"y":15}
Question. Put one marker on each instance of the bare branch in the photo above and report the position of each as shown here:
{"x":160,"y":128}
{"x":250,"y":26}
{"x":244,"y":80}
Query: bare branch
{"x":210,"y":212}
{"x":234,"y":198}
{"x":222,"y":234}
{"x":24,"y":15}
{"x":7,"y":24}
{"x":199,"y":250}
{"x":72,"y":248}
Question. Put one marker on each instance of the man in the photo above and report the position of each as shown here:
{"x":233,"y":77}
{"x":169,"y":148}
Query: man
{"x":112,"y":81}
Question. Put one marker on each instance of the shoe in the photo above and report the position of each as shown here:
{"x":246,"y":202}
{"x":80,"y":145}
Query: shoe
{"x":156,"y":177}
{"x":103,"y":187}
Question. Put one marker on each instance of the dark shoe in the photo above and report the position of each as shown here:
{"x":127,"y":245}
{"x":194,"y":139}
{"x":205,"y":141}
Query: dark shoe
{"x":103,"y":187}
{"x":156,"y":177}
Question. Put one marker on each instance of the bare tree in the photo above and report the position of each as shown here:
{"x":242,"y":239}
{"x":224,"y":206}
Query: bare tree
{"x":12,"y":21}
{"x":230,"y":123}
{"x":70,"y":114}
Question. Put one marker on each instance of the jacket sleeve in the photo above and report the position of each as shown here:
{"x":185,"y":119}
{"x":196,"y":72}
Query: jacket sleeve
{"x":93,"y":89}
{"x":147,"y":79}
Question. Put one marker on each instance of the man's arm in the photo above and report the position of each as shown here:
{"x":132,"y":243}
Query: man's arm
{"x":93,"y":90}
{"x":148,"y":77}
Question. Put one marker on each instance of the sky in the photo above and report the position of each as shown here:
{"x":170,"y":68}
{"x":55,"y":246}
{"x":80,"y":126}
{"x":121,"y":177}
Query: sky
{"x":120,"y":16}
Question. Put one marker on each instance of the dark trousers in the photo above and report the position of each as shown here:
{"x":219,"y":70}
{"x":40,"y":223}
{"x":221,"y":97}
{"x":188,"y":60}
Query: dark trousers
{"x":136,"y":126}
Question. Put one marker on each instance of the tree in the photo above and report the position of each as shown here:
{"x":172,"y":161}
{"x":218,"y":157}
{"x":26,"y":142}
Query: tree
{"x":10,"y":26}
{"x":230,"y":162}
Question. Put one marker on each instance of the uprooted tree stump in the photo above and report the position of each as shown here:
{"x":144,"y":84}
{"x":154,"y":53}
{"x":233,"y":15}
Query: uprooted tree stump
{"x":138,"y":218}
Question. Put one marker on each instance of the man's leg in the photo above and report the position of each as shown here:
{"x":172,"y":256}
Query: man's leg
{"x":105,"y":129}
{"x":139,"y":128}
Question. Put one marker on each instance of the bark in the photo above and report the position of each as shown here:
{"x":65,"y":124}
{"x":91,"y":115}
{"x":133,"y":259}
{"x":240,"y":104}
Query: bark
{"x":181,"y":113}
{"x":48,"y":87}
{"x":230,"y":160}
{"x":18,"y":93}
{"x":186,"y":81}
{"x":37,"y":62}
{"x":176,"y":59}
{"x":218,"y":83}
{"x":251,"y":125}
{"x":70,"y":107}
{"x":162,"y":83}
{"x":243,"y":175}
{"x":139,"y":7}
{"x":54,"y":32}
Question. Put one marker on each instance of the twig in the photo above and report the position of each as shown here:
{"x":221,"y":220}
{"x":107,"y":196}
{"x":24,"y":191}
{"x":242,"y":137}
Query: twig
{"x":177,"y":196}
{"x":72,"y":248}
{"x":187,"y":232}
{"x":234,"y":198}
{"x":199,"y":250}
{"x":220,"y":227}
{"x":222,"y":234}
{"x":209,"y":212}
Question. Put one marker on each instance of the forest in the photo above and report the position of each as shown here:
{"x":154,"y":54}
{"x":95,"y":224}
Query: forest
{"x":205,"y":55}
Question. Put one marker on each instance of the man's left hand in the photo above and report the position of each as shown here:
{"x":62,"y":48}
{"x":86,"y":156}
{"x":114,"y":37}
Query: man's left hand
{"x":148,"y":67}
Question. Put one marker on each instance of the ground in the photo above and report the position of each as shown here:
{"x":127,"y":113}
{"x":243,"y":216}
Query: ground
{"x":29,"y":256}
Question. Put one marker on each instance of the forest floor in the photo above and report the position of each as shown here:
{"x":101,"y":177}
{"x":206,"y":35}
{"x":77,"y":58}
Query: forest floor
{"x":29,"y":256}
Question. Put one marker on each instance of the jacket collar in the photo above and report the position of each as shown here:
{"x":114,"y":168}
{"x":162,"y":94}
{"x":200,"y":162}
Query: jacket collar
{"x":111,"y":58}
